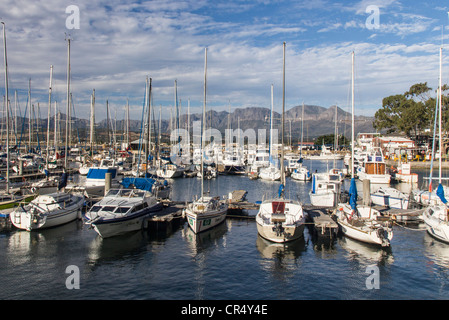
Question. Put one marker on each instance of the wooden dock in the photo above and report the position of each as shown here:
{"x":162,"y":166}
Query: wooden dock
{"x":168,"y":219}
{"x":323,"y":223}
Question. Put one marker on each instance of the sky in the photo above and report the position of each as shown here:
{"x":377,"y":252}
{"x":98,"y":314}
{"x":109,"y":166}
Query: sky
{"x":116,"y":45}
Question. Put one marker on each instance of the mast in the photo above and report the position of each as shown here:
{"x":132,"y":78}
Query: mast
{"x":302,"y":129}
{"x":7,"y":108}
{"x":149,"y":125}
{"x":68,"y":104}
{"x":283,"y":108}
{"x":49,"y":113}
{"x":440,"y":117}
{"x":270,"y":146}
{"x":92,"y":122}
{"x":352,"y":118}
{"x":30,"y":127}
{"x":204,"y":122}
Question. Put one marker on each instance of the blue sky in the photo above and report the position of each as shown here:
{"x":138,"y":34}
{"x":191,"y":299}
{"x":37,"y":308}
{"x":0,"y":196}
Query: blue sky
{"x":120,"y":43}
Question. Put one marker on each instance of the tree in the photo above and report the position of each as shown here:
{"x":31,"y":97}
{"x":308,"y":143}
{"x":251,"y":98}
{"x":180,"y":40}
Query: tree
{"x":408,"y":113}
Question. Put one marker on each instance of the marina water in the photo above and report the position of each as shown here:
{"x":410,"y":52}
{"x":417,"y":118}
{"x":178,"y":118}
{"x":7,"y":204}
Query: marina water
{"x":229,"y":262}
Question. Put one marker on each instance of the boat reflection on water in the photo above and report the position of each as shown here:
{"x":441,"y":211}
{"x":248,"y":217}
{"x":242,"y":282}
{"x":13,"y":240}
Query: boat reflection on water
{"x":366,"y":253}
{"x":199,"y":242}
{"x":281,"y":258}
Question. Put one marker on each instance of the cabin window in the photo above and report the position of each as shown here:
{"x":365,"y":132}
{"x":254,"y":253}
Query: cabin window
{"x":122,"y":210}
{"x":95,"y":209}
{"x":108,"y":208}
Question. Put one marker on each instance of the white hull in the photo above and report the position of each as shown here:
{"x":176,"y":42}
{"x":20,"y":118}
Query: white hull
{"x":205,"y":213}
{"x":280,"y":220}
{"x":120,"y":227}
{"x":26,"y":220}
{"x":374,"y":178}
{"x":323,"y":199}
{"x":301,"y":174}
{"x":365,"y":227}
{"x":390,"y":197}
{"x":294,"y":232}
{"x":270,"y":174}
{"x":435,"y":218}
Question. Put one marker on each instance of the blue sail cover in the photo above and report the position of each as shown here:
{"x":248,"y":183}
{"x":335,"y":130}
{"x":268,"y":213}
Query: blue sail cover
{"x":281,"y":191}
{"x":440,"y":193}
{"x":353,"y":194}
{"x":139,"y":183}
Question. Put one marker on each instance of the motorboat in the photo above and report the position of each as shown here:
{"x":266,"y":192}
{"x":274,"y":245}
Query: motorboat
{"x":373,"y":168}
{"x":326,"y":189}
{"x":122,"y":211}
{"x":170,"y":171}
{"x":301,"y":174}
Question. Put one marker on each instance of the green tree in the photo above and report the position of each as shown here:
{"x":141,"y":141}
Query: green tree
{"x":408,"y":113}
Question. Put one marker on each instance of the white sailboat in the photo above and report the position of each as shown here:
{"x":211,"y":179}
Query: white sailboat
{"x":52,"y":209}
{"x":206,"y":212}
{"x":391,"y":197}
{"x":301,"y":172}
{"x":272,"y":171}
{"x":436,"y":216}
{"x":281,"y":220}
{"x":361,"y":222}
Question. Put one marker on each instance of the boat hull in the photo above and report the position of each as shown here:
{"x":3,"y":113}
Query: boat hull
{"x":291,"y":232}
{"x":436,"y":227}
{"x":200,"y":222}
{"x":114,"y":227}
{"x":323,"y":199}
{"x":25,"y":220}
{"x":371,"y":237}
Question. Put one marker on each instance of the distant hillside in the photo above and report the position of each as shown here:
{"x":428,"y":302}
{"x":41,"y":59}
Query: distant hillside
{"x":317,"y":121}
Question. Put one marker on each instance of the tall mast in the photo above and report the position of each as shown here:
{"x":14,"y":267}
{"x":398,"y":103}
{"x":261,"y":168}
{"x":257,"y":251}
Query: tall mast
{"x":49,"y":113}
{"x":204,"y":122}
{"x":439,"y":116}
{"x":352,"y":118}
{"x":92,"y":122}
{"x":283,"y":108}
{"x":68,"y":105}
{"x":149,"y":125}
{"x":7,"y":108}
{"x":30,"y":127}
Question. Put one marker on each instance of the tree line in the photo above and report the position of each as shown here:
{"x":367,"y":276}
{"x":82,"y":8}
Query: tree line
{"x":413,"y":111}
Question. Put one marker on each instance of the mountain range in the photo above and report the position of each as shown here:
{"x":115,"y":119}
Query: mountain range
{"x":318,"y":121}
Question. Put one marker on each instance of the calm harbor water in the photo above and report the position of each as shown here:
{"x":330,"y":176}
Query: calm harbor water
{"x":230,"y":262}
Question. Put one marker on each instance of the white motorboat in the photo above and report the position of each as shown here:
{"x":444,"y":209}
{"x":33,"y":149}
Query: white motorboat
{"x":373,"y":168}
{"x":325,"y":154}
{"x":47,"y":211}
{"x":122,"y":211}
{"x":301,"y":174}
{"x":326,"y":189}
{"x":391,"y":197}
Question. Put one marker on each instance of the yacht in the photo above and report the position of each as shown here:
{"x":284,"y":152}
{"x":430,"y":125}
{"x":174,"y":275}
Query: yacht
{"x":122,"y":211}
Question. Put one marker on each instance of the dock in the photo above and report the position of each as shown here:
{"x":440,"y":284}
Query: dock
{"x":166,"y":220}
{"x":237,"y":203}
{"x":321,"y":220}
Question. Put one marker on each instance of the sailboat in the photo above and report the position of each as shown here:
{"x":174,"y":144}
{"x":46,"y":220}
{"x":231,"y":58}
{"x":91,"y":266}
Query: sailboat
{"x":271,"y":172}
{"x":206,"y":212}
{"x":357,"y":221}
{"x":51,"y":209}
{"x":281,"y":220}
{"x":435,"y":216}
{"x":301,"y":172}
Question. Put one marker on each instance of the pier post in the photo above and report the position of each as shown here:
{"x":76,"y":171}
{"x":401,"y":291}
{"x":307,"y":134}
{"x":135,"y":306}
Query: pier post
{"x":366,"y":192}
{"x":107,"y":182}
